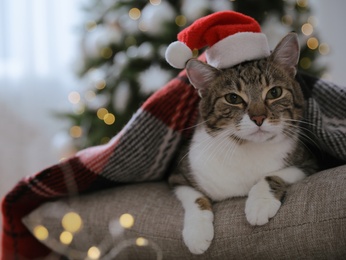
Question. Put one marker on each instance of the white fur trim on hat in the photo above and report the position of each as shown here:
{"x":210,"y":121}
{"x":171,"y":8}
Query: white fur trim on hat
{"x":237,"y":48}
{"x":177,"y":54}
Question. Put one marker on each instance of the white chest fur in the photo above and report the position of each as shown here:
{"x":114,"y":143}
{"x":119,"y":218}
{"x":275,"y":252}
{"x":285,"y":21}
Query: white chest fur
{"x":224,"y":169}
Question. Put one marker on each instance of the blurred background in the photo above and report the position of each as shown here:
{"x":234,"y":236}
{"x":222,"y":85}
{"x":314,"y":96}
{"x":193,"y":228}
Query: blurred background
{"x":73,"y":72}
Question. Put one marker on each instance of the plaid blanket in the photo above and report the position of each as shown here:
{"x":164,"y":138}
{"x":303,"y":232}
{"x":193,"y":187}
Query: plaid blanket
{"x":144,"y":149}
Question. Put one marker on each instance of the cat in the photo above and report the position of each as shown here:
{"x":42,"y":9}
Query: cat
{"x":247,"y":141}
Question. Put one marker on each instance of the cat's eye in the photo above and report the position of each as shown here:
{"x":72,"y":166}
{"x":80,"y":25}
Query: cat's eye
{"x":274,"y":93}
{"x":234,"y":99}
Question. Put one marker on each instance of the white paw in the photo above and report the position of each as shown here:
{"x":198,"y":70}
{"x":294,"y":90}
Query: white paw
{"x":199,"y":232}
{"x":259,"y":210}
{"x":261,"y":204}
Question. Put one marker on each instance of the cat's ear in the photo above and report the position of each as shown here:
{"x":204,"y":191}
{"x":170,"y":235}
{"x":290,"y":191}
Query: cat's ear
{"x":200,"y":75}
{"x":286,"y":53}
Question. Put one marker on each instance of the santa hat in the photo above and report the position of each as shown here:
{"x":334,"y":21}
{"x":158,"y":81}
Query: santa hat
{"x":232,"y":38}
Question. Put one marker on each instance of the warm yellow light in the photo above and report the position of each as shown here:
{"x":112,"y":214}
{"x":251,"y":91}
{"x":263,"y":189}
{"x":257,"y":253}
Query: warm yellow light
{"x":101,"y":84}
{"x":312,"y":43}
{"x":66,"y":237}
{"x":155,"y":2}
{"x":307,"y":29}
{"x":302,"y":3}
{"x":324,"y":48}
{"x":106,"y":52}
{"x":180,"y":20}
{"x":74,"y":97}
{"x":126,"y":220}
{"x":135,"y":13}
{"x":76,"y":131}
{"x":94,"y":252}
{"x":109,"y":119}
{"x":72,"y":222}
{"x":101,"y":112}
{"x":287,"y":19}
{"x":141,"y":241}
{"x":40,"y":232}
{"x":305,"y":63}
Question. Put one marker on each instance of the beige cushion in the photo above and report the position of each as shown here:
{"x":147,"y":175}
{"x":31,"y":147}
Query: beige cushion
{"x":311,"y":224}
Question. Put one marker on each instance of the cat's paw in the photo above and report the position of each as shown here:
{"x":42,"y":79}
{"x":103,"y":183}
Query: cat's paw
{"x":259,"y":210}
{"x":198,"y":232}
{"x":261,"y":204}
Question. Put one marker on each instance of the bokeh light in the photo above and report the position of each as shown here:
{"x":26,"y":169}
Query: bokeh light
{"x":72,"y":222}
{"x":74,"y":97}
{"x":307,"y":29}
{"x":101,"y":84}
{"x":40,"y":232}
{"x":76,"y":131}
{"x":106,"y":52}
{"x":312,"y":43}
{"x":135,"y":13}
{"x":66,"y":237}
{"x":324,"y":48}
{"x":287,"y":19}
{"x":126,"y":220}
{"x":109,"y":119}
{"x":94,"y":252}
{"x":101,"y":112}
{"x":141,"y":241}
{"x":155,"y":2}
{"x":302,"y":3}
{"x":305,"y":63}
{"x":180,"y":20}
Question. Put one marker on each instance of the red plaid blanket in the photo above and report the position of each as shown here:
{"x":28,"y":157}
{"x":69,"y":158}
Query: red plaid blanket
{"x":143,"y":150}
{"x":140,"y":152}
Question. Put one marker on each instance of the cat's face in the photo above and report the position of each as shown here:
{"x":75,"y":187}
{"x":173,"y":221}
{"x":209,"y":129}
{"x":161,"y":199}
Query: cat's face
{"x":257,"y":101}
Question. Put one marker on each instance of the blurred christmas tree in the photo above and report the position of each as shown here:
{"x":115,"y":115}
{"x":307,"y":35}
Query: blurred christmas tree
{"x":123,"y":46}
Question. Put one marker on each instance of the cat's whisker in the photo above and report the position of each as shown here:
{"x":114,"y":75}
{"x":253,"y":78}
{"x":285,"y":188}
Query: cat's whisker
{"x":231,"y":150}
{"x":208,"y":142}
{"x":219,"y":140}
{"x":196,"y":125}
{"x":291,"y":133}
{"x":302,"y":122}
{"x":300,"y":126}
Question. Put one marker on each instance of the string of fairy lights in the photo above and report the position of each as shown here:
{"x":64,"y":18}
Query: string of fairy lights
{"x":72,"y":224}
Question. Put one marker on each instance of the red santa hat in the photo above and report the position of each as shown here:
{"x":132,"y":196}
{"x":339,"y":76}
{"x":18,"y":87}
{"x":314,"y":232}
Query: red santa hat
{"x":232,"y":38}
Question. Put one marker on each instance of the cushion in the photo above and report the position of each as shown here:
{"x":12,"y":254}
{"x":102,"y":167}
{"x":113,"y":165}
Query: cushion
{"x":311,"y":224}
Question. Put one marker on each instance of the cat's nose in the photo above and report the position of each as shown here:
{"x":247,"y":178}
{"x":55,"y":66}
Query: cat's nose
{"x":258,"y":119}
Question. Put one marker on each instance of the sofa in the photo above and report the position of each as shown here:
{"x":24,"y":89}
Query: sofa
{"x":311,"y":224}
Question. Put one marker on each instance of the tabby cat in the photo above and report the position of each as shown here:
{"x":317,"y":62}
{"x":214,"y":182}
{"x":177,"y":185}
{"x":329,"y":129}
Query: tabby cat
{"x":247,"y":141}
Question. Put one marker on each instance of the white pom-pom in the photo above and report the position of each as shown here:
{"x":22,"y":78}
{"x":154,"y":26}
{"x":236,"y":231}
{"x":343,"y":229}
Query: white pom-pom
{"x":177,"y":54}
